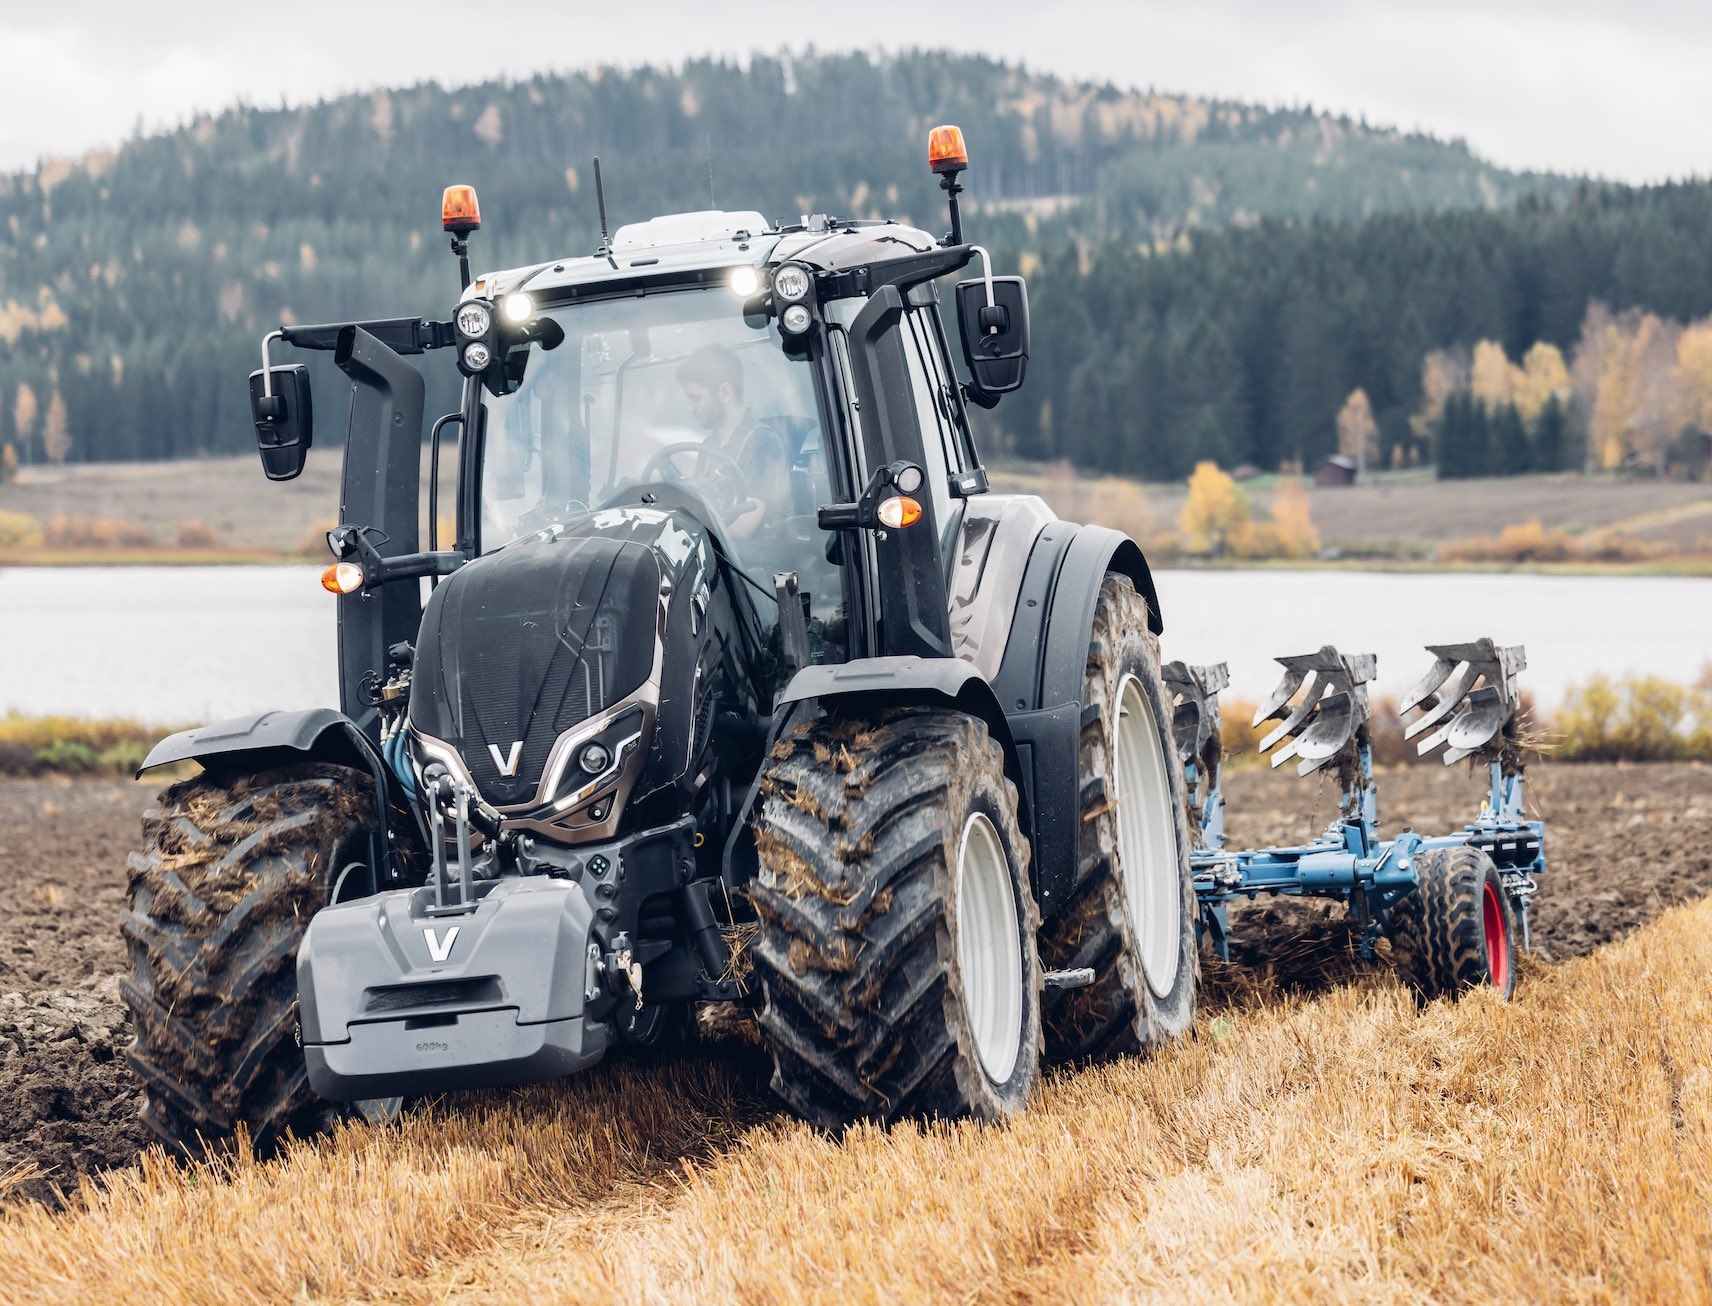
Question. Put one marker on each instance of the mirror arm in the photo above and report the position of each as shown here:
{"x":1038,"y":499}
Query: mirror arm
{"x":986,"y":272}
{"x":271,"y":408}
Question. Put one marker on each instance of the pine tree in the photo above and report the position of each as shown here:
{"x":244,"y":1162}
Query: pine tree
{"x":1551,"y":438}
{"x":1509,"y":453}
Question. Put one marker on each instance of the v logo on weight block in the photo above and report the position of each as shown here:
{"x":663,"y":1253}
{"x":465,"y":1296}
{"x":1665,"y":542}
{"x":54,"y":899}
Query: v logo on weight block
{"x":440,"y":949}
{"x":508,"y":764}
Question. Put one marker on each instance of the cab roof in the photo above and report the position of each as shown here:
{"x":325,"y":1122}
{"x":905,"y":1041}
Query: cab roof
{"x":678,"y":246}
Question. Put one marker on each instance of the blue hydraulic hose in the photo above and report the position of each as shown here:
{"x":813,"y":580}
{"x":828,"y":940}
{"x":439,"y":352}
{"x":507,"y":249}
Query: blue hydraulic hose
{"x":400,"y":764}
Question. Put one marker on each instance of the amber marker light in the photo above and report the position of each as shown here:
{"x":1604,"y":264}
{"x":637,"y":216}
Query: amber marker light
{"x":459,"y":210}
{"x":898,"y":512}
{"x":946,"y":151}
{"x":347,"y":577}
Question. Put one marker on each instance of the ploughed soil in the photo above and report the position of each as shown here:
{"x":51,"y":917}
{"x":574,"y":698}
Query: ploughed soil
{"x":1624,"y":843}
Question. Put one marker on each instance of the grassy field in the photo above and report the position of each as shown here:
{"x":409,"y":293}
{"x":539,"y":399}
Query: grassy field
{"x":1343,"y":1147}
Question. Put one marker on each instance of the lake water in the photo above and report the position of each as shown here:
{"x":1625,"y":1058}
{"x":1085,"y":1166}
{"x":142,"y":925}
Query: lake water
{"x":186,"y":644}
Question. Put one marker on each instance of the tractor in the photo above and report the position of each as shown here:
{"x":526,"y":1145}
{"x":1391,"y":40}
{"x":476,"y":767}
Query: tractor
{"x":737,"y":685}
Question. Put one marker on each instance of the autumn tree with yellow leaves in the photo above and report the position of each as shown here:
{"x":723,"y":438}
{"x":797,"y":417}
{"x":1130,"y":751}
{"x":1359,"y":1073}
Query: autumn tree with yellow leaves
{"x":56,"y":433}
{"x":1357,"y":432}
{"x":1218,"y":520}
{"x":1214,"y":513}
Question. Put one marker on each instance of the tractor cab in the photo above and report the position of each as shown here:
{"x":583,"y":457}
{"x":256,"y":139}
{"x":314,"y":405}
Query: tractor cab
{"x":708,"y":362}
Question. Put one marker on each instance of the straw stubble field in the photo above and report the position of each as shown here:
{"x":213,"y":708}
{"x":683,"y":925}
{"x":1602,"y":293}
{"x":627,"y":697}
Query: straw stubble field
{"x":1320,"y":1139}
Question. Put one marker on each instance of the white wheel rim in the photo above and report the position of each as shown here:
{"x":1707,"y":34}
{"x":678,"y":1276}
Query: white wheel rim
{"x":1147,"y":839}
{"x":989,"y":947}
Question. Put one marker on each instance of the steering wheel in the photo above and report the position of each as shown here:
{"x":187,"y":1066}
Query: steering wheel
{"x":734,"y":489}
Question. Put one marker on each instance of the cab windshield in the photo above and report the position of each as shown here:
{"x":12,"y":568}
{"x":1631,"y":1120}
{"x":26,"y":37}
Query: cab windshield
{"x":674,"y":387}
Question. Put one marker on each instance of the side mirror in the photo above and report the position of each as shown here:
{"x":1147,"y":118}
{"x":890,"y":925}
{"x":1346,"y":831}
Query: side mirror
{"x":285,"y":421}
{"x":995,"y":336}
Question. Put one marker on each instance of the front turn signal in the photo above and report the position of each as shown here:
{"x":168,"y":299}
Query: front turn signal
{"x":342,"y":578}
{"x":898,"y":512}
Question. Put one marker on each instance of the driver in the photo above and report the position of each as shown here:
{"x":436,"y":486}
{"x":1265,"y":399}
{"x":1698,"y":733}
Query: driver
{"x":712,"y":382}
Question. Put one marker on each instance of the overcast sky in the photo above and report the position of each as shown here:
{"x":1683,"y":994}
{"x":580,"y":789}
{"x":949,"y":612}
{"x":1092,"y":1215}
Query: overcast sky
{"x":1618,"y":90}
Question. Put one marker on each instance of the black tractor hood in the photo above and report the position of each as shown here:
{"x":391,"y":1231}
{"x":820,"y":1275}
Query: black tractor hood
{"x":523,"y":644}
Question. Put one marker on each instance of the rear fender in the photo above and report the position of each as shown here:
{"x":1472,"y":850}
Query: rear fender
{"x":1039,"y":684}
{"x":260,"y":742}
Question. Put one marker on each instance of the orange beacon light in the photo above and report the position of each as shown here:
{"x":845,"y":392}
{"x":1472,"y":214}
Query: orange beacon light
{"x":946,"y":151}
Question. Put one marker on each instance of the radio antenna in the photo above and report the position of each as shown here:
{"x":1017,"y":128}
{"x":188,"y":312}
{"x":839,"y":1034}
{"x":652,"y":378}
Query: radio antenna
{"x":600,"y":200}
{"x":707,"y":141}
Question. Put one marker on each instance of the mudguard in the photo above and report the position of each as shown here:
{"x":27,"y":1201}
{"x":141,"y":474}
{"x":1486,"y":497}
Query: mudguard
{"x":270,"y":738}
{"x":265,"y":740}
{"x":876,"y":683}
{"x":894,"y":681}
{"x":1039,"y":684}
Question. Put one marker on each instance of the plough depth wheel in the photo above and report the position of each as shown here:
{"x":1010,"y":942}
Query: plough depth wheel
{"x":1457,"y":930}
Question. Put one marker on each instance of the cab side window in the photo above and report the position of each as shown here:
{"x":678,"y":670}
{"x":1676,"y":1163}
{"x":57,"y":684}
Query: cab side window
{"x":933,"y":401}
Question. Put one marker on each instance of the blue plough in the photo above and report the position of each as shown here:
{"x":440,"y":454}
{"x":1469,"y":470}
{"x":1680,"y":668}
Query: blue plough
{"x":1450,"y":904}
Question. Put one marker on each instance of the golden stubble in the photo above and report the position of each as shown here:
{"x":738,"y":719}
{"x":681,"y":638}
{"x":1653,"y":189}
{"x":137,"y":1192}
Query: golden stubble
{"x":1341,"y":1147}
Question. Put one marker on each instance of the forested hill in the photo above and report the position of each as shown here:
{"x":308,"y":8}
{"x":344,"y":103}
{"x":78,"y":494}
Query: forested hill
{"x":135,"y":284}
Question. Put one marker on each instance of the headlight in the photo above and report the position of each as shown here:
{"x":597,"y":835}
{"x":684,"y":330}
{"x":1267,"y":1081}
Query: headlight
{"x":795,"y":319}
{"x":474,"y":319}
{"x":595,"y":758}
{"x":477,"y":356}
{"x":744,"y":281}
{"x":517,"y":307}
{"x":791,"y":282}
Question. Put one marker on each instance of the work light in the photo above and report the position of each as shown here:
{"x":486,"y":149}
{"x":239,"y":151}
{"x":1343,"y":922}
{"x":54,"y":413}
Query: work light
{"x":474,"y":318}
{"x":791,"y":282}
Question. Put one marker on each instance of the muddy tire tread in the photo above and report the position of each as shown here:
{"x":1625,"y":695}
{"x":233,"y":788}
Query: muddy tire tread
{"x":855,"y":955}
{"x":218,"y":902}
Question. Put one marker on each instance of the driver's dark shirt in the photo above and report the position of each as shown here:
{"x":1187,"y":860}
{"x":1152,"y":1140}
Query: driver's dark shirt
{"x":760,"y":451}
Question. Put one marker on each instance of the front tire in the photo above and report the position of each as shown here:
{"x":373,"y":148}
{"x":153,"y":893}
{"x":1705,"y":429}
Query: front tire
{"x":1131,"y":913}
{"x":897,"y":950}
{"x":217,"y":906}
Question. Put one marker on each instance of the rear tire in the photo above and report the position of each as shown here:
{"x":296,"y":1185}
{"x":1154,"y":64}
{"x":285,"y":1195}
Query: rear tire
{"x":897,"y":945}
{"x":1131,"y":912}
{"x":1457,"y":930}
{"x":217,"y":907}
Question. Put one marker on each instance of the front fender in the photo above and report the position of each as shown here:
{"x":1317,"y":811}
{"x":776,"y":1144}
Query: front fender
{"x":270,"y":739}
{"x":264,"y":740}
{"x":902,"y":681}
{"x":877,"y":683}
